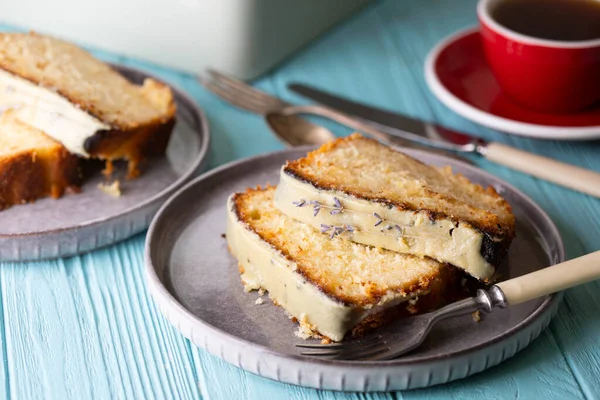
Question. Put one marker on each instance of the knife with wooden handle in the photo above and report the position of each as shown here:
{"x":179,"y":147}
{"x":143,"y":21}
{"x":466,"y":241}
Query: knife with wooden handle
{"x":359,"y":116}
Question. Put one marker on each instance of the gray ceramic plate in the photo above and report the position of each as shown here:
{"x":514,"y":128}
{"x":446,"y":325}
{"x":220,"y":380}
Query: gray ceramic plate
{"x":78,"y":223}
{"x":196,"y":284}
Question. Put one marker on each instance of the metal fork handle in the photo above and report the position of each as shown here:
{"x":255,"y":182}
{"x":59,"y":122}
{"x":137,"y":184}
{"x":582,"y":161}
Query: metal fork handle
{"x":485,"y":300}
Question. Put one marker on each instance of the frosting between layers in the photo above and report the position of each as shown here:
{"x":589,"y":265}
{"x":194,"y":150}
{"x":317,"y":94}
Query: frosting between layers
{"x":378,"y":225}
{"x":49,"y":112}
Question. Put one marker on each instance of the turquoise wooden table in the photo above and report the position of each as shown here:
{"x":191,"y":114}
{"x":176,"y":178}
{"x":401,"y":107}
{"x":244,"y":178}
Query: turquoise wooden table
{"x":86,"y":327}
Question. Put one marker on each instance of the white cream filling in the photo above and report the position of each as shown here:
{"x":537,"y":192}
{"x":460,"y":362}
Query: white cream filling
{"x":265,"y":267}
{"x":377,"y":225}
{"x":49,"y":112}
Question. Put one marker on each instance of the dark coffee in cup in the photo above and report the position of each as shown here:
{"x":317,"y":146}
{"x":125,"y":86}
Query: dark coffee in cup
{"x":562,"y":20}
{"x":545,"y":54}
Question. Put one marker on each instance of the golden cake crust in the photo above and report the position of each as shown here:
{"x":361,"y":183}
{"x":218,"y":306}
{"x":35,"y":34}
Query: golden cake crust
{"x":30,"y":175}
{"x":140,"y":117}
{"x":326,"y":283}
{"x":498,"y":223}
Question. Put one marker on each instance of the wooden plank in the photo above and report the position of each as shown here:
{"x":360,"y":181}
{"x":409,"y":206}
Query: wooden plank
{"x":85,"y":327}
{"x":220,"y":380}
{"x":538,"y":371}
{"x":5,"y":351}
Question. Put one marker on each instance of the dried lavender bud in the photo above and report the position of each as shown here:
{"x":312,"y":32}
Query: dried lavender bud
{"x":378,"y":222}
{"x":388,"y":227}
{"x":300,"y":203}
{"x":337,"y":203}
{"x":349,"y":228}
{"x":316,"y":210}
{"x":325,"y":228}
{"x":377,"y":216}
{"x":336,"y":211}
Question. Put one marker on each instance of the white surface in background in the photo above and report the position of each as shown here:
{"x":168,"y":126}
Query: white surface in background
{"x":240,"y":37}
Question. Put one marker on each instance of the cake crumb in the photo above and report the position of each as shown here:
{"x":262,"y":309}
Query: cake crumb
{"x":259,"y":301}
{"x":326,"y":340}
{"x":305,"y":330}
{"x":111,"y":189}
{"x":247,"y":287}
{"x":476,"y":316}
{"x":261,"y":292}
{"x":411,"y":305}
{"x":303,"y":333}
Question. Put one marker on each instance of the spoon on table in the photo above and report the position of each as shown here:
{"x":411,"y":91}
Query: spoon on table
{"x":291,"y":129}
{"x":288,"y":126}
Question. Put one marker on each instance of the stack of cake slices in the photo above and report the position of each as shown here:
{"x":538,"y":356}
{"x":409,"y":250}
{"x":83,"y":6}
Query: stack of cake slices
{"x":357,"y":233}
{"x":58,"y":105}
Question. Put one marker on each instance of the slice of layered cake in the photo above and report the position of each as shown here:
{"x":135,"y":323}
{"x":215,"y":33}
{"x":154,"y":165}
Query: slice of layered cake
{"x":393,"y":201}
{"x":329,"y":284}
{"x":32,"y":165}
{"x":82,"y":102}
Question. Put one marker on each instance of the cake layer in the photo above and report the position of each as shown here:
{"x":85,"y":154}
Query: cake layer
{"x":49,"y":112}
{"x":326,"y":282}
{"x":32,"y":165}
{"x":390,"y":200}
{"x":82,"y":102}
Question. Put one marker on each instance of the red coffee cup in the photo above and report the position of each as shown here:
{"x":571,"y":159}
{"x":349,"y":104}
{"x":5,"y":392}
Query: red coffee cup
{"x":548,"y":75}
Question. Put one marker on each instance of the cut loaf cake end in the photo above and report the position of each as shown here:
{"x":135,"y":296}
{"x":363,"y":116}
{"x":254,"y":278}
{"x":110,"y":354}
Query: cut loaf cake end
{"x":32,"y":165}
{"x":329,"y":284}
{"x":378,"y":196}
{"x":82,"y":102}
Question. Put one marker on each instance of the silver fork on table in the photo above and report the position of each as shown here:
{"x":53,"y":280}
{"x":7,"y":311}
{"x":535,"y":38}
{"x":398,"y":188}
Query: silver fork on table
{"x":283,"y":118}
{"x":407,"y":334}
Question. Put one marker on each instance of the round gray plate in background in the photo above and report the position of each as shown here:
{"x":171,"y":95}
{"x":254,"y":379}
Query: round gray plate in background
{"x":77,"y":223}
{"x":196,"y":284}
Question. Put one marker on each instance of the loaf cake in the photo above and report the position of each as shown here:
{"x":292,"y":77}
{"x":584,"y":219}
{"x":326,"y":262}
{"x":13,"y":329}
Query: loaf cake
{"x":32,"y":165}
{"x":329,"y":284}
{"x":82,"y":102}
{"x":393,"y":201}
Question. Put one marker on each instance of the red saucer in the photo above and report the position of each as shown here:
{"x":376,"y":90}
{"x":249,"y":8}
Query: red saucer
{"x":457,"y":73}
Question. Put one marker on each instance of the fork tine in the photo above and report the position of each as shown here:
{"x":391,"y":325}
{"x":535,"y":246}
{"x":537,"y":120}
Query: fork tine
{"x":340,"y":350}
{"x":354,"y":343}
{"x":362,"y":354}
{"x":246,"y":89}
{"x":367,"y":354}
{"x":238,"y":98}
{"x":232,"y":98}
